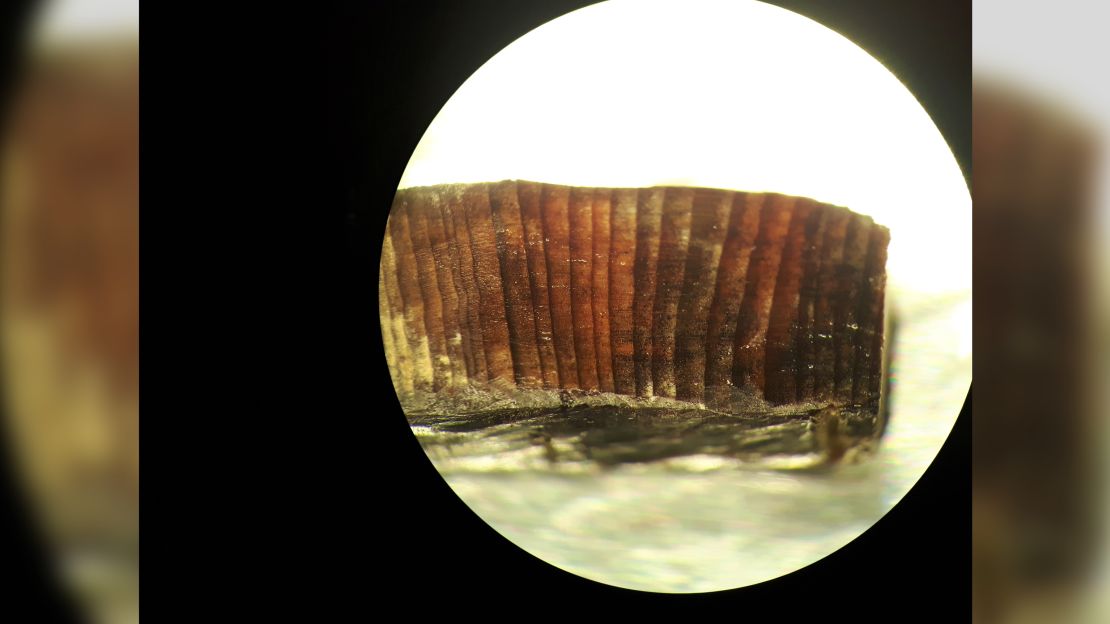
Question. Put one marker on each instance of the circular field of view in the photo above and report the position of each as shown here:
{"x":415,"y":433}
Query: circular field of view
{"x":722,"y":153}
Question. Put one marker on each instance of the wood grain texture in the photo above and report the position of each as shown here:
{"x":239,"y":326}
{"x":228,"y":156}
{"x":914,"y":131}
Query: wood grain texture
{"x":755,"y":311}
{"x":783,"y":356}
{"x":622,"y":287}
{"x":732,"y":279}
{"x":487,"y":272}
{"x":806,"y":381}
{"x":701,"y":295}
{"x":602,"y":206}
{"x":674,"y":240}
{"x":869,"y":347}
{"x":847,"y":304}
{"x":445,"y":247}
{"x":824,"y":322}
{"x":455,"y":213}
{"x":709,"y":226}
{"x":649,"y":220}
{"x":555,"y":202}
{"x":429,"y":289}
{"x":580,"y":220}
{"x":398,"y":354}
{"x":408,"y":290}
{"x":447,"y":279}
{"x":528,"y":195}
{"x":516,"y":284}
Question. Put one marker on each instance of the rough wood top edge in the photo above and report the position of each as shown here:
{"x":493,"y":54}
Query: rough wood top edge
{"x":819,"y":203}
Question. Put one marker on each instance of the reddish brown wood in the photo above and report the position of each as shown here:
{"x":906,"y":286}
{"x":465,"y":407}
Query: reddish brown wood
{"x":622,"y":288}
{"x":528,"y":194}
{"x":487,"y":270}
{"x":732,"y":279}
{"x":781,"y":358}
{"x":709,"y":226}
{"x":580,"y":220}
{"x":556,"y":228}
{"x":602,"y":207}
{"x":702,"y":295}
{"x":674,"y":239}
{"x":455,"y":212}
{"x":649,"y":217}
{"x":516,"y":284}
{"x":755,"y":312}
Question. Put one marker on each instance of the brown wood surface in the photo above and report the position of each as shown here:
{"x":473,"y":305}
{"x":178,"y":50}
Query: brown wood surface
{"x":455,"y":214}
{"x":516,"y":284}
{"x":702,"y":295}
{"x":649,"y":218}
{"x":487,"y":270}
{"x":782,"y":355}
{"x":556,"y":227}
{"x":674,"y":240}
{"x":755,"y":311}
{"x":708,"y":227}
{"x":622,"y":288}
{"x":602,"y":206}
{"x":581,"y":223}
{"x":732,"y":279}
{"x":529,"y":195}
{"x":408,"y":287}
